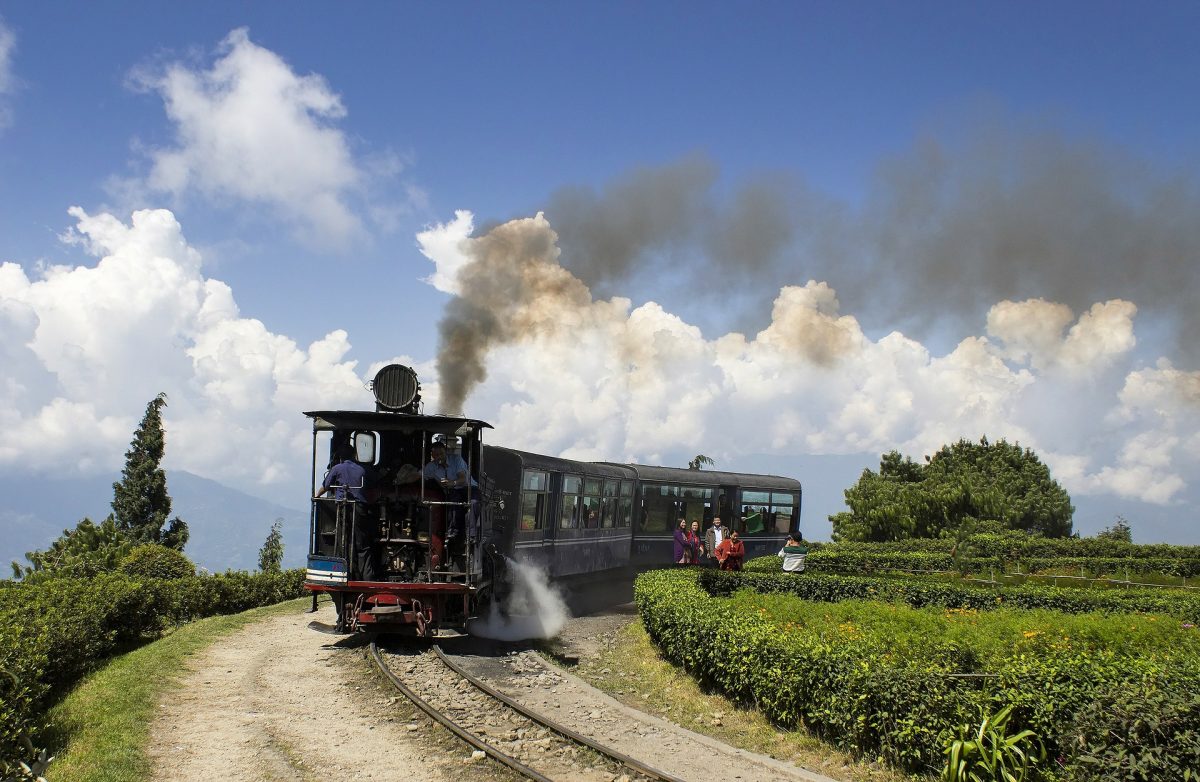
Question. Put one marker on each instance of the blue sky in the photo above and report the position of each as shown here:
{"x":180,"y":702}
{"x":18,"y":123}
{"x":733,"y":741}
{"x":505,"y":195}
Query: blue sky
{"x":856,"y":226}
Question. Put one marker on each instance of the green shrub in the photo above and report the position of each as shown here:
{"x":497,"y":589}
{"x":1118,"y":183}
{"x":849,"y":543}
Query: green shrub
{"x":56,"y":630}
{"x":1009,"y":551}
{"x":1144,"y":735}
{"x":763,"y":575}
{"x":153,"y":560}
{"x":883,"y":679}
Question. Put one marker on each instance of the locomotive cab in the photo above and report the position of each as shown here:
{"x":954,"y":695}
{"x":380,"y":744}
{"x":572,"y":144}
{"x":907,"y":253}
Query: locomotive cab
{"x":380,"y":531}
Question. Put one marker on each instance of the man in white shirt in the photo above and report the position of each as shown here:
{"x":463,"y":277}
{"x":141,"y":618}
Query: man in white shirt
{"x":716,"y":533}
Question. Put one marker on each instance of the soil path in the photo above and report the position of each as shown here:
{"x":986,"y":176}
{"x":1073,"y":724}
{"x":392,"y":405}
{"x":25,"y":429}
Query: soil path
{"x":277,"y":701}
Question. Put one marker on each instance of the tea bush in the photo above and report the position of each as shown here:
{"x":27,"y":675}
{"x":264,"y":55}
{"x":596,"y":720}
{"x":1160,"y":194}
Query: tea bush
{"x":880,"y":678}
{"x":1160,"y":730}
{"x":153,"y":560}
{"x":763,"y":575}
{"x":54,"y":631}
{"x":1029,"y":553}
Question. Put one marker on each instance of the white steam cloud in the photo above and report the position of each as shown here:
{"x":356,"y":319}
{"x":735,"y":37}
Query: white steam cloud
{"x":535,"y":608}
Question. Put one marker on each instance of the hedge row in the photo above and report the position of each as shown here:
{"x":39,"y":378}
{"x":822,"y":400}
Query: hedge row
{"x":763,"y":575}
{"x":868,"y":698}
{"x":879,"y":557}
{"x":1014,"y":545}
{"x":55,"y":631}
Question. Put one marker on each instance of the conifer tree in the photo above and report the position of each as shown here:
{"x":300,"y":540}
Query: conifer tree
{"x":141,"y":504}
{"x":270,"y":556}
{"x":78,"y":553}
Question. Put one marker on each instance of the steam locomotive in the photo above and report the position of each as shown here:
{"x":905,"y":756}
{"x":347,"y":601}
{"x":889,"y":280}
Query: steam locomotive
{"x":583,"y":523}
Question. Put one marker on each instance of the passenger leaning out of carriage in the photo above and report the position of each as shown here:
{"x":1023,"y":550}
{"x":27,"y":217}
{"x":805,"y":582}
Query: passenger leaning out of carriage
{"x":348,"y":480}
{"x":793,"y":554}
{"x":731,"y":552}
{"x":450,"y":471}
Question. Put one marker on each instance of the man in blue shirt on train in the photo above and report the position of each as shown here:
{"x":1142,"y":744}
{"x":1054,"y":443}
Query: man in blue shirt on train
{"x":347,"y":478}
{"x":450,"y":471}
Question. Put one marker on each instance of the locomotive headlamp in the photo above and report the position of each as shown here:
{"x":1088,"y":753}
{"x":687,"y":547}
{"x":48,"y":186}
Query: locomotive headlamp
{"x":396,"y":388}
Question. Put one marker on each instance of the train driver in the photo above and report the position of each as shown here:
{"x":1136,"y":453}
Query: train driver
{"x":449,"y":470}
{"x":348,"y":479}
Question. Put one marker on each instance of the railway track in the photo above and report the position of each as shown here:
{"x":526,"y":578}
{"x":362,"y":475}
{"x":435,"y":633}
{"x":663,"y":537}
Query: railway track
{"x":527,"y":742}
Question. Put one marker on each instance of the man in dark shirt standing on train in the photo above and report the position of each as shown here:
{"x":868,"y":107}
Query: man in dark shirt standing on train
{"x":345,"y":476}
{"x":347,"y":479}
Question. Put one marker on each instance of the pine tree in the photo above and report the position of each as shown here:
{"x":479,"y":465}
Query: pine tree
{"x":141,"y":504}
{"x":82,"y":552}
{"x":270,"y":556}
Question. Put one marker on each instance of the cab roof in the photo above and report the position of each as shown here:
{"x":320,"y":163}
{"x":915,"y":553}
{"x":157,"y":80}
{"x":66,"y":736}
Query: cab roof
{"x":328,"y":420}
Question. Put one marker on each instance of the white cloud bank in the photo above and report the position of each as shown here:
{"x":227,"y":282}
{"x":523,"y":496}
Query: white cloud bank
{"x":85,"y":348}
{"x":606,"y":380}
{"x":251,"y":129}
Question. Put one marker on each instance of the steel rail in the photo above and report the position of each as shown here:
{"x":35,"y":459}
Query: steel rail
{"x":451,"y":725}
{"x":562,"y":730}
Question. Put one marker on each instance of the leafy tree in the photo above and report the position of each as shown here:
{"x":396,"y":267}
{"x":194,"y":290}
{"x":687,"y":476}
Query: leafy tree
{"x":270,"y":556}
{"x":700,"y":462}
{"x":140,"y":503}
{"x":1120,"y":531}
{"x":78,"y":553}
{"x":978,"y":485}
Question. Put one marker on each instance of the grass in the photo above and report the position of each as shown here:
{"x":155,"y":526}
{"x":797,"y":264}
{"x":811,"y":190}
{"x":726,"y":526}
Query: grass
{"x":631,"y":670}
{"x":102,"y":726}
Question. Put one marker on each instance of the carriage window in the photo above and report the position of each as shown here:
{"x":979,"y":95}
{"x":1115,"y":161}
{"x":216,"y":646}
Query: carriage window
{"x":534,"y":499}
{"x":609,"y":516}
{"x":593,"y":508}
{"x":569,"y":511}
{"x":658,"y":508}
{"x":626,"y":504}
{"x":767,"y":513}
{"x":695,"y":504}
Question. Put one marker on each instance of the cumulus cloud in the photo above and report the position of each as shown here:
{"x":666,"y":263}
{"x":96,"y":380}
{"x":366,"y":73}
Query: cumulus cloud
{"x":1033,"y":331}
{"x":86,"y":347}
{"x":567,"y":373}
{"x":251,"y":129}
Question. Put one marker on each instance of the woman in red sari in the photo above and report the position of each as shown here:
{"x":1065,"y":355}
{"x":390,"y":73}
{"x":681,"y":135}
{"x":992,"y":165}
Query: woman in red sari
{"x":731,"y":552}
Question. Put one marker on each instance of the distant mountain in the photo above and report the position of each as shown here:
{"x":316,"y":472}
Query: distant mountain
{"x":227,"y":526}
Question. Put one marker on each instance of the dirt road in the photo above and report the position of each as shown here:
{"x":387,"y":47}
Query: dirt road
{"x":277,"y":701}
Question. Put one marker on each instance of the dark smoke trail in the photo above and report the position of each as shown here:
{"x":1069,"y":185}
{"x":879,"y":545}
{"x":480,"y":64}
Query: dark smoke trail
{"x":512,"y":287}
{"x":946,"y":232}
